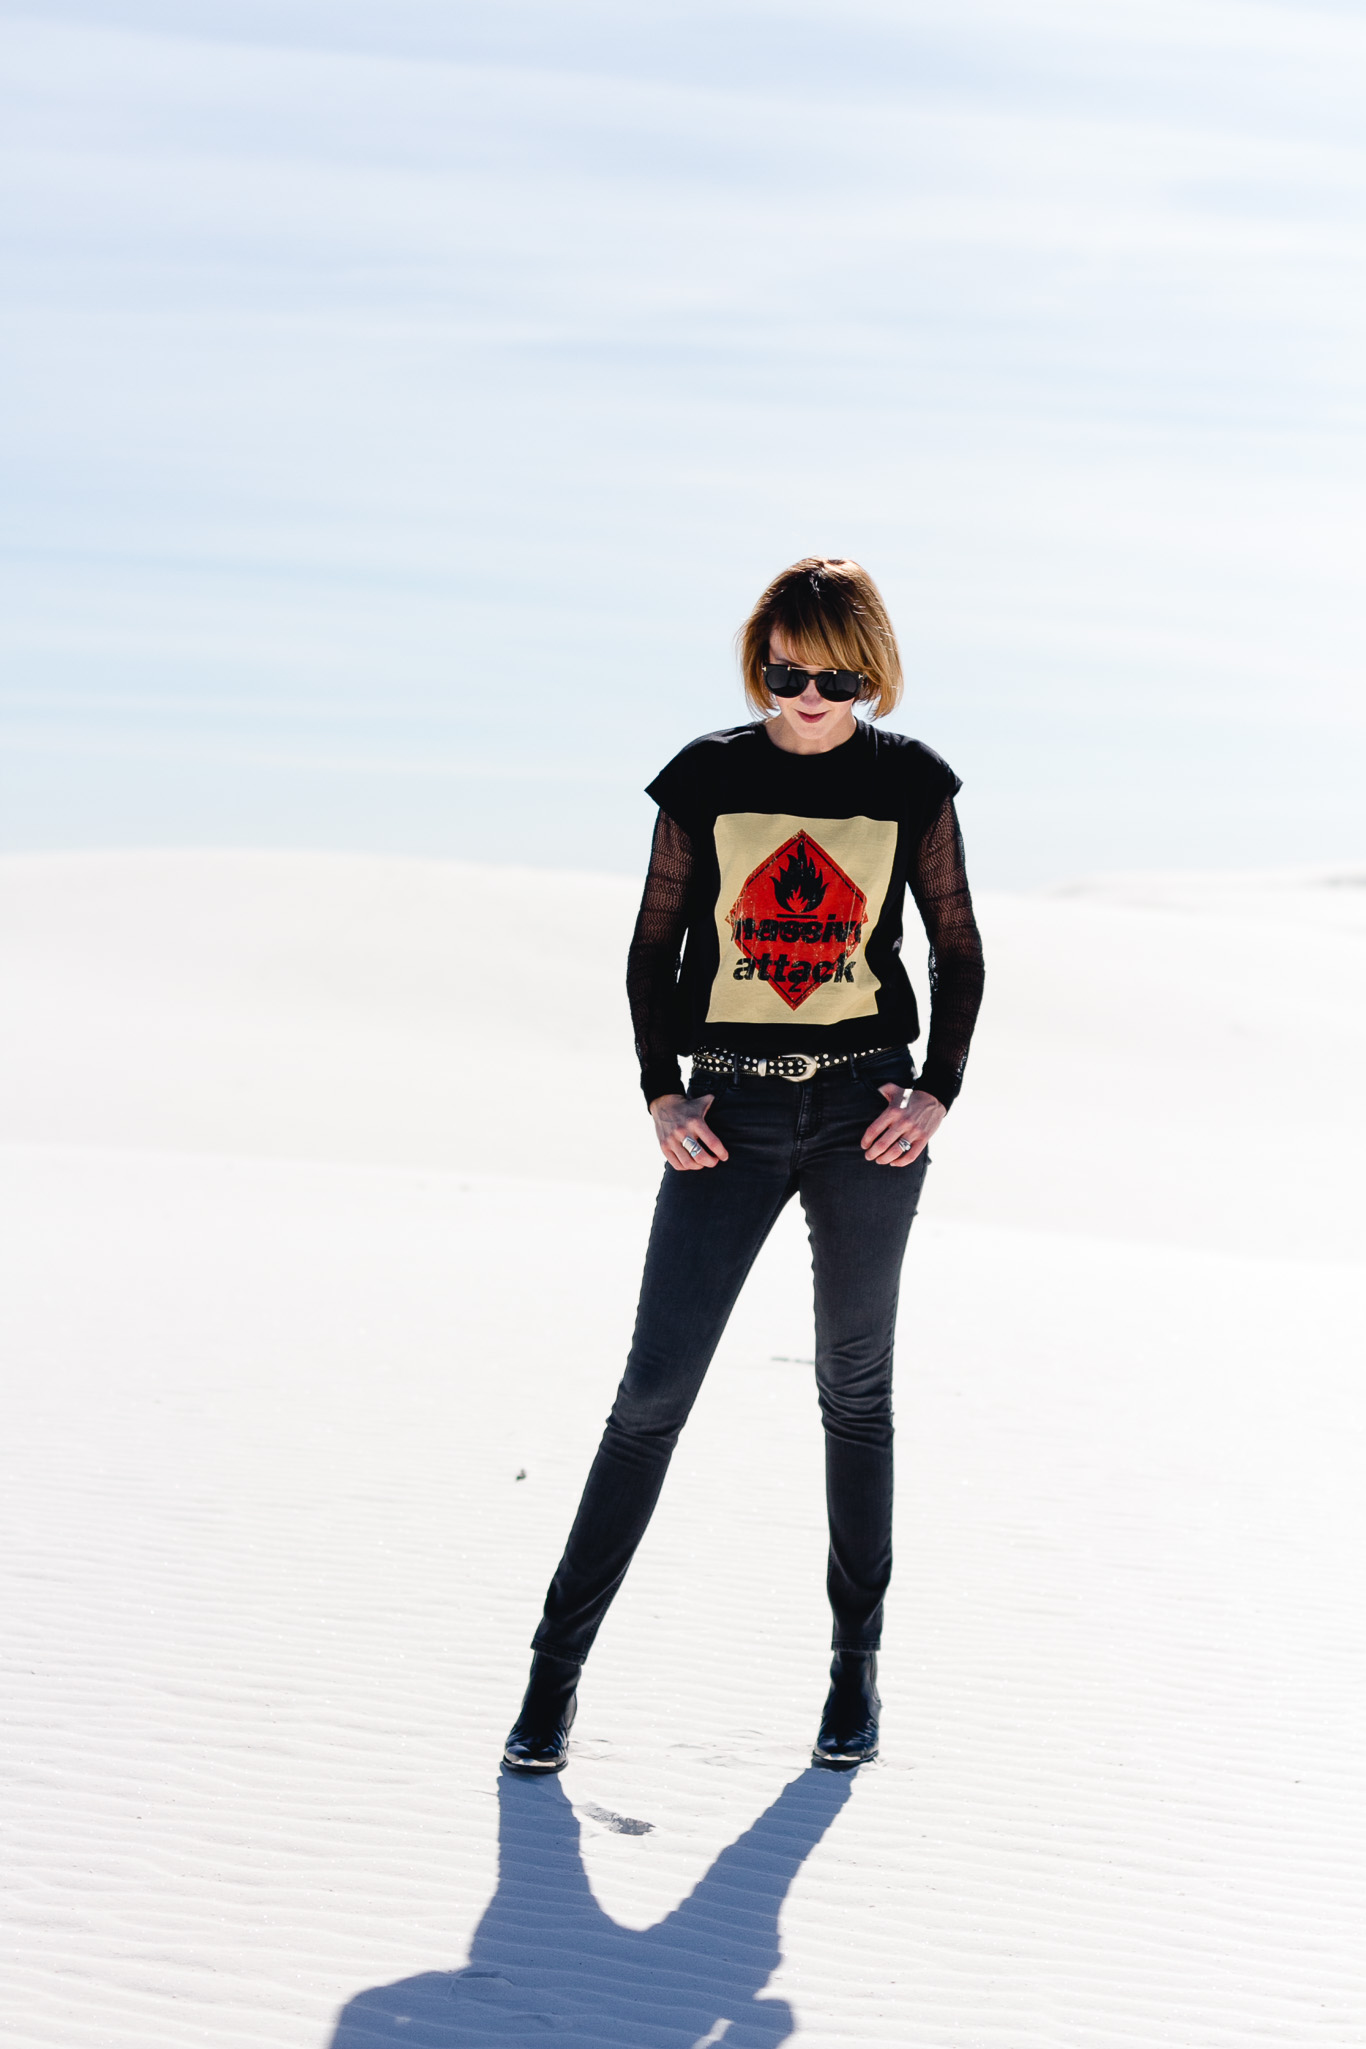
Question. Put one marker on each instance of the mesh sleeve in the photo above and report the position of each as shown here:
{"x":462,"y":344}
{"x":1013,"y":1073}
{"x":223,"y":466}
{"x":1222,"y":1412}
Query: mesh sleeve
{"x":652,"y":960}
{"x":939,"y":884}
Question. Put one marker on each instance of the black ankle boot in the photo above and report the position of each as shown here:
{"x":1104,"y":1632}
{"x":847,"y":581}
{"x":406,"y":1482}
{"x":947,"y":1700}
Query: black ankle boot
{"x":539,"y":1741}
{"x":849,"y":1725}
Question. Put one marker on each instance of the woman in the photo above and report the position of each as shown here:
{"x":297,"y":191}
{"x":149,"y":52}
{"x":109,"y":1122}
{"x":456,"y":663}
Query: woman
{"x":782,"y":854}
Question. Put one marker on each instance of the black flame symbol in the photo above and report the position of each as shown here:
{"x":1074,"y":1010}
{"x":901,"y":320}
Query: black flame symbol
{"x":799,"y":886}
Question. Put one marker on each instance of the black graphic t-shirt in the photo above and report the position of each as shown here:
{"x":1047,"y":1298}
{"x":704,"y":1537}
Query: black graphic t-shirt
{"x":781,"y":878}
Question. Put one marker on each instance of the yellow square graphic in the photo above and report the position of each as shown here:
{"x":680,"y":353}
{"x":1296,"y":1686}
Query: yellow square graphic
{"x":843,"y":986}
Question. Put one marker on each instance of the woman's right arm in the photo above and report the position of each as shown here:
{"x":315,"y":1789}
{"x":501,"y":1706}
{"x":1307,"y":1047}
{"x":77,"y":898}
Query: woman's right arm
{"x":652,"y":989}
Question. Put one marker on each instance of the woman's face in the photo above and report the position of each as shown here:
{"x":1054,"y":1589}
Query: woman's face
{"x":808,"y":724}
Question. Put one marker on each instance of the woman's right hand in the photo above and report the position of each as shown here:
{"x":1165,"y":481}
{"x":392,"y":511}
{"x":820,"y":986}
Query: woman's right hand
{"x":685,"y":1117}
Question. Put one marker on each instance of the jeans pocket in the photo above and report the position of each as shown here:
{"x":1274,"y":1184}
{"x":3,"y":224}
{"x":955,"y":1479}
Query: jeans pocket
{"x":902,"y":1077}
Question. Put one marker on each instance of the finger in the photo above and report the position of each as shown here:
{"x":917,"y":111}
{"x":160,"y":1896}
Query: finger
{"x":699,"y":1129}
{"x":897,"y":1158}
{"x":694,"y":1134}
{"x":709,"y":1140}
{"x":879,"y":1128}
{"x":678,"y":1157}
{"x":889,"y":1150}
{"x":693,"y":1124}
{"x":671,"y":1134}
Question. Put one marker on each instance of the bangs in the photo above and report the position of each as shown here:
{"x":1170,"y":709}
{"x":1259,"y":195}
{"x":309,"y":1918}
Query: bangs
{"x":816,"y":650}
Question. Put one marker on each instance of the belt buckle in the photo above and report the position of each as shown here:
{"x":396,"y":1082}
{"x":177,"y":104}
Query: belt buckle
{"x":810,"y":1065}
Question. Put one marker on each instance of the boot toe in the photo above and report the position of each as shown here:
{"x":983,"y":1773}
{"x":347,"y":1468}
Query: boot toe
{"x":535,"y":1759}
{"x":840,"y":1753}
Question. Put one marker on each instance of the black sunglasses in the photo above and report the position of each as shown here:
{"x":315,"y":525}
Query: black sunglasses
{"x":837,"y":686}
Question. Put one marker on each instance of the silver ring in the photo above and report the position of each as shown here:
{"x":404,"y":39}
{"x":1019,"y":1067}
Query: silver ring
{"x":905,"y":1144}
{"x":690,"y":1145}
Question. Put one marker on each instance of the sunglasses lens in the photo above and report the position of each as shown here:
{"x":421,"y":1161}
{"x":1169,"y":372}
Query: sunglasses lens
{"x":837,"y":686}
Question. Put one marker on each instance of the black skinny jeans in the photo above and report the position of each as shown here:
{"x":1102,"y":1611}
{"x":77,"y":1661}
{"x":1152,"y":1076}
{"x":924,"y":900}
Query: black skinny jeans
{"x":783,"y":1139}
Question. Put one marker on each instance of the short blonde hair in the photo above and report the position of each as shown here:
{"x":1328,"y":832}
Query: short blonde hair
{"x":831,"y":614}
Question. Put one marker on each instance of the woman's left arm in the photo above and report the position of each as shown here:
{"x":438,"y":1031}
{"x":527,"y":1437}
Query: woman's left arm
{"x":939,"y":884}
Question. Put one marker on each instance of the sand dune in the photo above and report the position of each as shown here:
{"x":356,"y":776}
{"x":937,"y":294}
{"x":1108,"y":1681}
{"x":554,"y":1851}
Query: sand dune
{"x":310,"y":1326}
{"x":1167,"y":1058}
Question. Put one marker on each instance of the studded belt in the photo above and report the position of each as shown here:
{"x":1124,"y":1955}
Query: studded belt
{"x":783,"y":1066}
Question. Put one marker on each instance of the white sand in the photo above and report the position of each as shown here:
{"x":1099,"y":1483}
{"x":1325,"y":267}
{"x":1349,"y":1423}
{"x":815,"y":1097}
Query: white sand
{"x":298,"y":1285}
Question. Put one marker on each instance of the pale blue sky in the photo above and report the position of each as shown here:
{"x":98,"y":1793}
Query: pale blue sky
{"x":403,"y":404}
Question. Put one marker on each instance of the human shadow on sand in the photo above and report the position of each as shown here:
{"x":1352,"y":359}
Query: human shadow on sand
{"x":546,"y":1960}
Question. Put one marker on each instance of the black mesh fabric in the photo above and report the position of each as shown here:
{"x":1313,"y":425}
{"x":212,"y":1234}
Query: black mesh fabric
{"x":653,"y":957}
{"x":938,"y":883}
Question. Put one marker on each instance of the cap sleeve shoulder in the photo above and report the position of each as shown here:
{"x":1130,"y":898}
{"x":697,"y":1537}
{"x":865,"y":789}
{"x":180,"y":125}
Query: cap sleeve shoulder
{"x":687,"y":786}
{"x":940,"y":782}
{"x":925,"y":782}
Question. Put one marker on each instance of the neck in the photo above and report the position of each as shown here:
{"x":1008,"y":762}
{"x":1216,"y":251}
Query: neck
{"x":831,"y":736}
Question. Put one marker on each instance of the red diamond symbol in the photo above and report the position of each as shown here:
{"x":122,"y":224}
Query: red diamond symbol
{"x":797,"y":921}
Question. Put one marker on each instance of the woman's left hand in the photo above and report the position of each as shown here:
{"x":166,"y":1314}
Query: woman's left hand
{"x":910,"y":1114}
